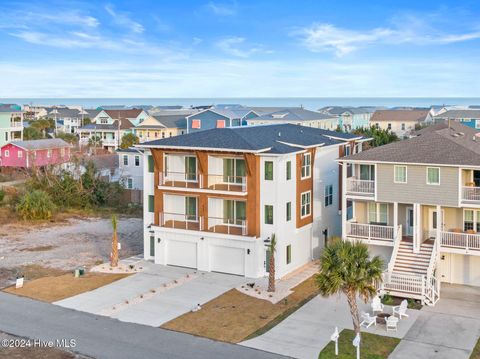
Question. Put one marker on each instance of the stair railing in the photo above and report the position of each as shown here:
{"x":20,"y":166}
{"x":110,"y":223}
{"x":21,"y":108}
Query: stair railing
{"x":396,"y":246}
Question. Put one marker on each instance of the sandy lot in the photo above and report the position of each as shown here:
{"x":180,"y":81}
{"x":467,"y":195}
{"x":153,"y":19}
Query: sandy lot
{"x":79,"y":242}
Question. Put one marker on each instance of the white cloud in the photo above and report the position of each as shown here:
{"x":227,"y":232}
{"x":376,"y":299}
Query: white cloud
{"x":341,"y":41}
{"x":123,"y":19}
{"x":222,"y":9}
{"x":236,"y":46}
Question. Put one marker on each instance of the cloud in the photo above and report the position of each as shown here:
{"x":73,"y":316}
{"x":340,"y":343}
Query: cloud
{"x":31,"y":17}
{"x":223,"y":9}
{"x":325,"y":37}
{"x":236,"y":46}
{"x":123,"y":19}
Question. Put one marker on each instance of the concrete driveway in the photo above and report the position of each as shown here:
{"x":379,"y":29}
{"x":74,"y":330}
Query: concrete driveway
{"x":157,"y":308}
{"x":450,"y":329}
{"x":307,"y":331}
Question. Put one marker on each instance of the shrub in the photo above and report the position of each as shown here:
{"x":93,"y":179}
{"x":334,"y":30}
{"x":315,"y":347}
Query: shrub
{"x":2,"y":194}
{"x":35,"y":205}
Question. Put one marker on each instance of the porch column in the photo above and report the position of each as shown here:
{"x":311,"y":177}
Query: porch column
{"x":344,"y":201}
{"x":438,"y":235}
{"x":417,"y":227}
{"x":395,"y":220}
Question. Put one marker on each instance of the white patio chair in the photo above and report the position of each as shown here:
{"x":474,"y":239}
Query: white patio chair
{"x":392,"y":323}
{"x":401,"y":309}
{"x":368,"y":320}
{"x":377,"y":305}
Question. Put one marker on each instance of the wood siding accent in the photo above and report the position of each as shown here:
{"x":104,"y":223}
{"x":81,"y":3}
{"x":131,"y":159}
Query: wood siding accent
{"x":158,"y":156}
{"x":341,"y":153}
{"x":304,"y":185}
{"x":253,"y":196}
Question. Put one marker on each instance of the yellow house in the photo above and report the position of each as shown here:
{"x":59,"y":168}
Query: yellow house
{"x":161,"y":126}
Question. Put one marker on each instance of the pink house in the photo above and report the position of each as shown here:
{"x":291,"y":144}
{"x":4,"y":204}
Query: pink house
{"x":35,"y":153}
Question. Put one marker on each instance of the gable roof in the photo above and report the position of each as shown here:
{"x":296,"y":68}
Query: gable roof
{"x":172,"y":121}
{"x":43,"y":144}
{"x":130,"y":113}
{"x":458,"y":114}
{"x":399,"y":115}
{"x":293,"y":114}
{"x":438,"y":144}
{"x":230,"y":113}
{"x":275,"y":139}
{"x":339,"y":110}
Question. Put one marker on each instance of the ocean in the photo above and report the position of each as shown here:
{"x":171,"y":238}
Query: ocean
{"x":312,"y":103}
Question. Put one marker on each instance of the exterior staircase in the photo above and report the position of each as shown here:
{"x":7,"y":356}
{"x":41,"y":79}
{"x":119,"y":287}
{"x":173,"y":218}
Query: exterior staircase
{"x":410,"y":274}
{"x":413,"y":263}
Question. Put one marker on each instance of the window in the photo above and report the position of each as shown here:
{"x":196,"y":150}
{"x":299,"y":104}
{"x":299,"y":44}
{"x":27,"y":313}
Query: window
{"x":169,"y":134}
{"x":151,"y":203}
{"x":62,"y":152}
{"x":347,"y":150}
{"x":289,"y":211}
{"x":328,"y":195}
{"x":163,"y":134}
{"x":477,"y":123}
{"x":130,"y":183}
{"x":377,"y":213}
{"x":234,"y":170}
{"x":20,"y":154}
{"x":268,"y":214}
{"x":471,"y":220}
{"x":268,"y":170}
{"x":234,"y":212}
{"x":7,"y":153}
{"x":125,"y":160}
{"x":433,"y":175}
{"x":289,"y":170}
{"x":196,"y":124}
{"x":151,"y":164}
{"x":389,"y":126}
{"x":220,"y":123}
{"x":306,"y":207}
{"x":137,"y":161}
{"x":306,"y":160}
{"x":289,"y":253}
{"x":49,"y":153}
{"x":403,"y":127}
{"x":367,"y":172}
{"x":400,"y":173}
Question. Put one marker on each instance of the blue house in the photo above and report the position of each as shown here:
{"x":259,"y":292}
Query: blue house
{"x":219,"y":118}
{"x":350,"y":118}
{"x":467,"y":117}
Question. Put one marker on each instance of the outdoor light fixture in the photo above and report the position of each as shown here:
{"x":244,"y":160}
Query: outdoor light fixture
{"x":248,"y":251}
{"x":202,"y":238}
{"x":159,"y":240}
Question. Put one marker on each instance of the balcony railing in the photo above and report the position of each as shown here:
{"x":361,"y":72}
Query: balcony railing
{"x":465,"y":241}
{"x":181,"y":221}
{"x":471,"y":194}
{"x":227,"y":183}
{"x":227,"y":226}
{"x":180,"y":179}
{"x":365,"y":187}
{"x":16,"y":124}
{"x":371,"y":231}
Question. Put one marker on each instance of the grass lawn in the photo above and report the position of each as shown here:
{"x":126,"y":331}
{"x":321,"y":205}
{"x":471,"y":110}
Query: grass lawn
{"x":234,"y":316}
{"x":476,"y":351}
{"x":372,"y":346}
{"x":51,"y":289}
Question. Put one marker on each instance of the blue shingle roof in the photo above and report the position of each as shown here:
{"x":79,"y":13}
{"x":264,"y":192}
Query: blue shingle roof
{"x":278,"y":139}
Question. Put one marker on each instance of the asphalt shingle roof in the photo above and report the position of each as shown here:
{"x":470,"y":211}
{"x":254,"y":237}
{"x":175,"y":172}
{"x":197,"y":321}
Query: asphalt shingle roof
{"x":41,"y":144}
{"x":441,"y":144}
{"x":453,"y":114}
{"x":293,"y":114}
{"x":278,"y":139}
{"x":399,"y":115}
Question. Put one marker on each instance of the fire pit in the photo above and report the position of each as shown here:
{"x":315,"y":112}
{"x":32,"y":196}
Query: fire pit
{"x":382,"y":318}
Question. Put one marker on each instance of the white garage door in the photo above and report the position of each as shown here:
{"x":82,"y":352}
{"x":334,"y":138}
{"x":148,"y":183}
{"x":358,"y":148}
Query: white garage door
{"x":183,"y":254}
{"x":227,"y":260}
{"x":460,"y":269}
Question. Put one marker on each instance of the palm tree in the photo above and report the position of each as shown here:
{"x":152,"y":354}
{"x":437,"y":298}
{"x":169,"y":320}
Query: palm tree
{"x":345,"y":267}
{"x":114,"y":258}
{"x":271,"y":264}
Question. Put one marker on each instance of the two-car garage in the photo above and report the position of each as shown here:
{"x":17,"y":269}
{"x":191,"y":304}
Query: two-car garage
{"x":460,"y":269}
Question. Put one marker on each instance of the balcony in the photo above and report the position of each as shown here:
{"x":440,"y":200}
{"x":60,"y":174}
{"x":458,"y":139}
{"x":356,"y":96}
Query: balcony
{"x":227,"y":183}
{"x":460,"y":242}
{"x":227,"y":226}
{"x":358,"y":187}
{"x":471,"y":194}
{"x":374,"y":234}
{"x":181,"y":221}
{"x":180,"y":180}
{"x":16,"y":124}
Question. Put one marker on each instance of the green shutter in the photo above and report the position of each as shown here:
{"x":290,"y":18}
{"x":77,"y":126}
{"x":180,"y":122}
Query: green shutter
{"x":152,"y":246}
{"x":289,"y":211}
{"x":268,"y":170}
{"x":151,"y":165}
{"x":268,"y":214}
{"x":289,"y":254}
{"x":289,"y":170}
{"x":151,"y":203}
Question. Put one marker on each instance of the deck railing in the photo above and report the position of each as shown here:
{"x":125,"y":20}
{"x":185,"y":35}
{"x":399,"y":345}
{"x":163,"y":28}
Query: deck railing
{"x":471,"y":194}
{"x":227,"y":183}
{"x":370,"y":231}
{"x":465,"y":241}
{"x":227,"y":226}
{"x":180,"y":179}
{"x":360,"y":186}
{"x":404,"y":282}
{"x":181,"y":221}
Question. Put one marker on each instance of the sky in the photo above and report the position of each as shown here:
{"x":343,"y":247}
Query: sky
{"x":239,"y":48}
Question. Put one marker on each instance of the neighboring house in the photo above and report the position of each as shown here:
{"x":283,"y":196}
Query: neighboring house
{"x":155,"y":127}
{"x":417,"y":204}
{"x":35,"y":153}
{"x":212,"y":198}
{"x":401,"y":122}
{"x":468,"y":117}
{"x":11,"y":124}
{"x":130,"y":168}
{"x":218,"y":118}
{"x":67,"y":120}
{"x":296,"y":116}
{"x":350,"y":118}
{"x":110,"y":125}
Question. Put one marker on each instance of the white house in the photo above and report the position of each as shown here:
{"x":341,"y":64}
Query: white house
{"x":130,"y":164}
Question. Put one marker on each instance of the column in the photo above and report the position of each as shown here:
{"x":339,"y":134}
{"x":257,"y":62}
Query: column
{"x":344,"y":201}
{"x":438,"y":236}
{"x":417,"y":227}
{"x":395,"y":220}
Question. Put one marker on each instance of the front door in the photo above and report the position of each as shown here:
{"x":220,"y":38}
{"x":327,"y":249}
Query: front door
{"x":432,"y":222}
{"x":409,"y":226}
